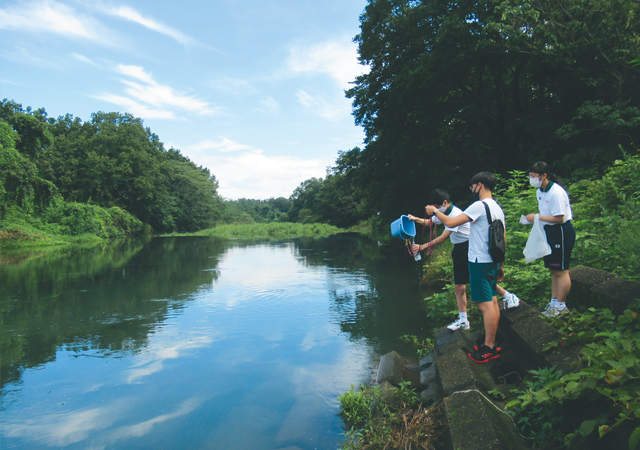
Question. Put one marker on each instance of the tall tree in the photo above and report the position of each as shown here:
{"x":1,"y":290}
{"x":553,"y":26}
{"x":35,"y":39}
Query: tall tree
{"x":458,"y":87}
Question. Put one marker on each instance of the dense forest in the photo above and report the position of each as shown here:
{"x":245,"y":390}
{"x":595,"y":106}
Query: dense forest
{"x":65,"y":170}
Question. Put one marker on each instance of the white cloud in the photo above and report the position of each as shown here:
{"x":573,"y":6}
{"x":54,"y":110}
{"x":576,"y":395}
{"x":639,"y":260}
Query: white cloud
{"x":128,"y":13}
{"x":269,"y":106}
{"x":329,"y":110}
{"x":225,"y":145}
{"x":52,"y":17}
{"x":152,"y":100}
{"x":135,"y":108}
{"x":249,"y":173}
{"x":339,"y":59}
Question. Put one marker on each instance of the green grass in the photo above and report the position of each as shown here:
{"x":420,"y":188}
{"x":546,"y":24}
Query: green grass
{"x":273,"y":230}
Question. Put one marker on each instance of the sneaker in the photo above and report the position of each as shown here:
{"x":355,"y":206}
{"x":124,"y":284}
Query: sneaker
{"x":496,"y":346}
{"x":484,"y":354}
{"x":554,"y":309}
{"x":510,"y":301}
{"x":459,"y":324}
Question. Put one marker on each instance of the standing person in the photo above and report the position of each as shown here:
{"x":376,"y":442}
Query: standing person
{"x":556,"y":215}
{"x":484,"y":274}
{"x":460,"y":239}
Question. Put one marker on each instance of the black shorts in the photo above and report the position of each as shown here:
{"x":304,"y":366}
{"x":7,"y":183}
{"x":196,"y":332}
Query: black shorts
{"x":561,"y":238}
{"x":460,"y":255}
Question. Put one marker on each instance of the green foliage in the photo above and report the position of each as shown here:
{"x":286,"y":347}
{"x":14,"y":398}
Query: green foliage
{"x":379,"y":419}
{"x":607,"y":377}
{"x":70,"y":218}
{"x":336,"y":199}
{"x":258,"y":211}
{"x":537,"y":422}
{"x":111,"y":161}
{"x":607,"y":219}
{"x":424,"y":346}
{"x":455,"y":88}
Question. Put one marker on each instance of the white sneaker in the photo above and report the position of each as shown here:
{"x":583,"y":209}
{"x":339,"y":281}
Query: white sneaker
{"x":510,"y":301}
{"x":554,"y":309}
{"x":459,"y":324}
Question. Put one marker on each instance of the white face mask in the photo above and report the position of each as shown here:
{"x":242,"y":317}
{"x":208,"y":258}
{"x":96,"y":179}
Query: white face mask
{"x":535,"y":182}
{"x":442,"y":209}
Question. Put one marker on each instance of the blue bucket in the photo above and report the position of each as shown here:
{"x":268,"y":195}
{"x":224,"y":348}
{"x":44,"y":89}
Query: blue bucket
{"x":403,"y":228}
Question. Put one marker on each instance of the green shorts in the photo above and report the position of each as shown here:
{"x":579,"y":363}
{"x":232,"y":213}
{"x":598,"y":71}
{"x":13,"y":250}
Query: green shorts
{"x":483,"y":278}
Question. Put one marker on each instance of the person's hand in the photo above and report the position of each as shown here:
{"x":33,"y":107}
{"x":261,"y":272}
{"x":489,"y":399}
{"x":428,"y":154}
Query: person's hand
{"x":500,"y":273}
{"x":415,"y":248}
{"x":531,"y":217}
{"x":430,"y":209}
{"x":414,"y":218}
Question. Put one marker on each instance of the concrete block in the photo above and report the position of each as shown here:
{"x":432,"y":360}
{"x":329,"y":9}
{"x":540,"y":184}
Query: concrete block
{"x":454,"y":373}
{"x":447,"y":340}
{"x":427,"y":361}
{"x":475,"y":424}
{"x":390,"y":369}
{"x":528,"y":337}
{"x":600,"y":289}
{"x":428,"y":376}
{"x":511,"y":316}
{"x":431,"y":395}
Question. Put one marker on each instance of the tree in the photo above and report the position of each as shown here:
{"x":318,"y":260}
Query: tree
{"x":455,"y":88}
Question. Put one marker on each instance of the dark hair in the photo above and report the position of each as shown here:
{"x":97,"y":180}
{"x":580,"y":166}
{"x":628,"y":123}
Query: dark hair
{"x":541,"y":168}
{"x":487,"y":179}
{"x":438,"y":197}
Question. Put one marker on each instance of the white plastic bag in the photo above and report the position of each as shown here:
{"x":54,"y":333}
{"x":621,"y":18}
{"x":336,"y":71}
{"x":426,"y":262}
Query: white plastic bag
{"x":537,"y":245}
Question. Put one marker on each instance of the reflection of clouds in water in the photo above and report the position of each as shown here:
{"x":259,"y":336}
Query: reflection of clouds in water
{"x":61,"y":430}
{"x":152,"y":359}
{"x":318,"y":337}
{"x":142,"y":428}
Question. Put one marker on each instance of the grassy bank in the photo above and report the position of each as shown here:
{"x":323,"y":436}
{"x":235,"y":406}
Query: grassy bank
{"x":273,"y":230}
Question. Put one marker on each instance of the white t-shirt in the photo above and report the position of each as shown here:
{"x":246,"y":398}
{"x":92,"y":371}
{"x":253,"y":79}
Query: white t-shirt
{"x":460,"y":233}
{"x":554,"y":202}
{"x":479,"y":237}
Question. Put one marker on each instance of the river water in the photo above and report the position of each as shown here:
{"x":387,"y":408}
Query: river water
{"x":196,"y":342}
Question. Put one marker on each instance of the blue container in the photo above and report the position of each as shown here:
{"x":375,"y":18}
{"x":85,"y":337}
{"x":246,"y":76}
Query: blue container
{"x":403,"y":228}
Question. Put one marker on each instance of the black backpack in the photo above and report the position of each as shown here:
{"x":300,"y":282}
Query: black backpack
{"x":497,"y":246}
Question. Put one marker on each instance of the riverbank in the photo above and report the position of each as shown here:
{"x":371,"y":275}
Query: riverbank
{"x":20,"y":234}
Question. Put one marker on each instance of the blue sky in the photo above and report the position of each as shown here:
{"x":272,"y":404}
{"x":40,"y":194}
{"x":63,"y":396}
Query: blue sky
{"x":253,"y":90}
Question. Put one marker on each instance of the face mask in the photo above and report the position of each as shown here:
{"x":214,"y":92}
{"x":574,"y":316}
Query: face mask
{"x":476,"y":195}
{"x":535,"y":182}
{"x":442,"y":209}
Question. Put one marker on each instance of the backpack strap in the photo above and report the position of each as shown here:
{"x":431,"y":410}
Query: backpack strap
{"x":486,"y":207}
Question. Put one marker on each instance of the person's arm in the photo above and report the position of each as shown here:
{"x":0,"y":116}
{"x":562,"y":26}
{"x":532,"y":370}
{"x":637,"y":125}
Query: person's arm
{"x":439,"y":240}
{"x":419,"y":220}
{"x":548,"y":219}
{"x":450,"y":222}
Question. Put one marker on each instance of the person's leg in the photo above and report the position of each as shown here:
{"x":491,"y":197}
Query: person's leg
{"x":491,"y":318}
{"x":461,"y":297}
{"x":501,"y":291}
{"x":561,"y":284}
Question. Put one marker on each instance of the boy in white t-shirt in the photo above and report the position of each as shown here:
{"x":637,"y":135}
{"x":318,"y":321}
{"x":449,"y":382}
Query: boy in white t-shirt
{"x":484,"y":274}
{"x":460,"y":239}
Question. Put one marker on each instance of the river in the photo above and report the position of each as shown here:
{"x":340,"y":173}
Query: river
{"x":196,"y":342}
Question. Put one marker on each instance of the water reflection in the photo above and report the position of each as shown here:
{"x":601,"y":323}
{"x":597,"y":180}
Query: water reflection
{"x":196,"y":342}
{"x":105,"y":297}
